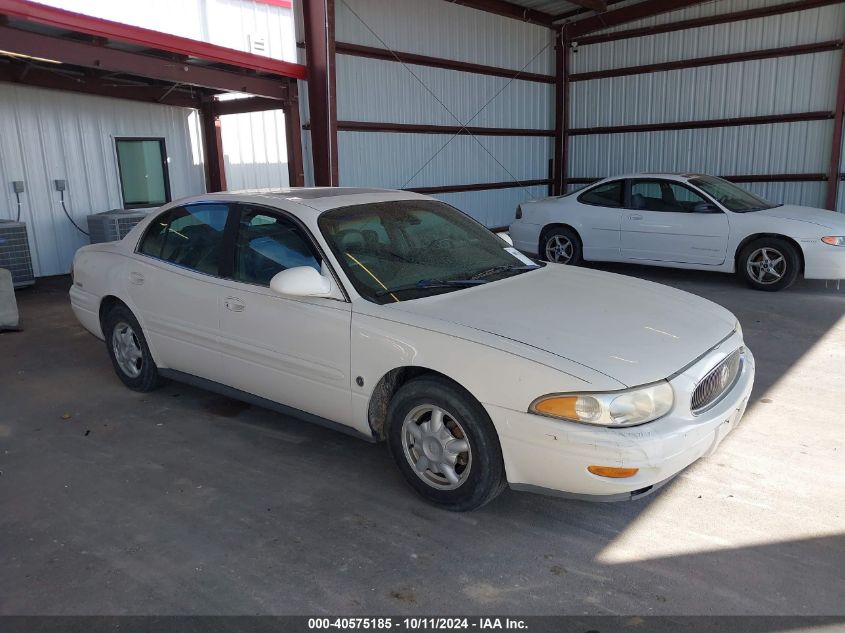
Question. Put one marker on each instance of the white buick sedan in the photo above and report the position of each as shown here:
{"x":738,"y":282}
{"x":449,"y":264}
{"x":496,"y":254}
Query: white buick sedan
{"x":685,"y":221}
{"x":392,"y":316}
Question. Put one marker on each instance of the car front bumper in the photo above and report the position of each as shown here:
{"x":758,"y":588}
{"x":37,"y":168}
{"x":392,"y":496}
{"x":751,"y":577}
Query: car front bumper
{"x":822,"y":261}
{"x":550,"y":456}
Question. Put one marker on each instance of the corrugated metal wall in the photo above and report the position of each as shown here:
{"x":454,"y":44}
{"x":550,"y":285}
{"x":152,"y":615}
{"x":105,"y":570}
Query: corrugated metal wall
{"x":389,"y":92}
{"x":47,"y":135}
{"x":783,"y":85}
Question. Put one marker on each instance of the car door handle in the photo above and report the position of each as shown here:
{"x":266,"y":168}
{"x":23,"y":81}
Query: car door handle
{"x":234,"y":304}
{"x":136,"y":278}
{"x":635,"y":216}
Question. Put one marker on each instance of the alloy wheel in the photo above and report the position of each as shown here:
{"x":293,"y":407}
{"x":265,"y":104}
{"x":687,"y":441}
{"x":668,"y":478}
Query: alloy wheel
{"x":766,"y":265}
{"x":436,"y":447}
{"x":559,"y":249}
{"x":127,"y":349}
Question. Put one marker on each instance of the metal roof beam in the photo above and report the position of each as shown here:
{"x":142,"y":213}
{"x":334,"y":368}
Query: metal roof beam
{"x":630,"y":13}
{"x":510,"y":10}
{"x":119,"y":61}
{"x":40,"y":77}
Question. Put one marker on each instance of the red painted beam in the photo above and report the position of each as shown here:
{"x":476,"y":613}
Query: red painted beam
{"x":282,"y":4}
{"x":146,"y":38}
{"x":561,"y":112}
{"x":576,"y":12}
{"x":630,"y":13}
{"x":508,"y":10}
{"x":710,"y":20}
{"x":438,"y":62}
{"x":94,"y":85}
{"x":252,"y":104}
{"x":786,"y":51}
{"x":836,"y":146}
{"x":414,"y":128}
{"x":484,"y":186}
{"x":703,"y":123}
{"x":119,"y":61}
{"x":212,"y":147}
{"x":293,"y":139}
{"x":322,"y":96}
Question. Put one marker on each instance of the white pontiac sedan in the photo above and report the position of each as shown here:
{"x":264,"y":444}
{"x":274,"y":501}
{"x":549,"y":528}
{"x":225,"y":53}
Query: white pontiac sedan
{"x":685,"y":221}
{"x":392,"y":316}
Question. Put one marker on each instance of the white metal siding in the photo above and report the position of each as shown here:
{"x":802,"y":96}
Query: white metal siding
{"x":47,"y":135}
{"x":230,"y":23}
{"x":389,"y":92}
{"x":254,"y":150}
{"x":785,"y":85}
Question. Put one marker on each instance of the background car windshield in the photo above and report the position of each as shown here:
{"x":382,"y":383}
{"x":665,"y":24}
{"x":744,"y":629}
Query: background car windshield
{"x":729,"y":195}
{"x":387,"y":245}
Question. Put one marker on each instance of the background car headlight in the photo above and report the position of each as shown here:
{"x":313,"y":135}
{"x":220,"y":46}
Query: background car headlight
{"x":834,"y":240}
{"x":613,"y":409}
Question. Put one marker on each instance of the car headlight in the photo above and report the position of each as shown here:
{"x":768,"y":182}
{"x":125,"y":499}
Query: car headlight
{"x":834,"y":240}
{"x":612,"y":409}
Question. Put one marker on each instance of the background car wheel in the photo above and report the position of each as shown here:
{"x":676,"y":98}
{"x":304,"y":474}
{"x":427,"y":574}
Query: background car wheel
{"x":769,"y":264}
{"x":561,"y":246}
{"x":445,"y":445}
{"x":130,"y":355}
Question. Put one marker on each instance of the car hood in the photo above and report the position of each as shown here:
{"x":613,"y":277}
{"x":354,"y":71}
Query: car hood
{"x":821,"y":217}
{"x":634,"y":331}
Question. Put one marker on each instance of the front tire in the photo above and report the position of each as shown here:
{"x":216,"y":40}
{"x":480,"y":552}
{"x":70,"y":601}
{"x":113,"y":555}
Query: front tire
{"x":128,"y":350}
{"x":445,"y":445}
{"x":769,"y":264}
{"x":561,"y":245}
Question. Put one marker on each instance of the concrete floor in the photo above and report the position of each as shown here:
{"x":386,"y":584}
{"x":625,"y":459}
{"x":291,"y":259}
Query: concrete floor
{"x":183,"y":502}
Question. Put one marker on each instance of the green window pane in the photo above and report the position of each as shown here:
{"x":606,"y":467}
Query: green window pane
{"x":143,"y":172}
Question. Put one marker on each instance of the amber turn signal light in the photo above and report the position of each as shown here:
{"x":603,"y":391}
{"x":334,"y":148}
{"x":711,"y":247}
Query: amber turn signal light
{"x":613,"y":473}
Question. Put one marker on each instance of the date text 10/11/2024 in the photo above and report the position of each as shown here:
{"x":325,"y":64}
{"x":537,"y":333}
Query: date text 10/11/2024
{"x":418,"y":623}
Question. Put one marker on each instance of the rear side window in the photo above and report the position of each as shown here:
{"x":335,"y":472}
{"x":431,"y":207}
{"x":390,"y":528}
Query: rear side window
{"x":191,"y":237}
{"x":609,"y":194}
{"x":268,"y":244}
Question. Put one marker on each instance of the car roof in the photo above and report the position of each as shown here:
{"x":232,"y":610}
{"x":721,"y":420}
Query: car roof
{"x":682,"y":176}
{"x":323,"y":199}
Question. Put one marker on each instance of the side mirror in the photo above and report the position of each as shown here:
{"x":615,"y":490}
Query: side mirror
{"x":505,"y":238}
{"x":301,"y":281}
{"x":706,"y":207}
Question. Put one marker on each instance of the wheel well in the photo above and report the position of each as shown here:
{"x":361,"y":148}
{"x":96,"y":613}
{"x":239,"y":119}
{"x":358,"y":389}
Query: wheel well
{"x":557,"y":225}
{"x":757,"y":236}
{"x":107,"y":303}
{"x":387,"y":387}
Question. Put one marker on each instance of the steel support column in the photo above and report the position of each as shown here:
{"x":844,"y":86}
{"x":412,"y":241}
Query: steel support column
{"x":560,"y":133}
{"x":836,"y":147}
{"x":320,"y":51}
{"x":212,"y":147}
{"x":293,"y":138}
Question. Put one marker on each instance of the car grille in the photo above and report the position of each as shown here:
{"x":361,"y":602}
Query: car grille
{"x":717,"y":382}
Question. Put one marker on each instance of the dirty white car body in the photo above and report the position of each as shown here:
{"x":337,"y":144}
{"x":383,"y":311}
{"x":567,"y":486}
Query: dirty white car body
{"x":336,"y":358}
{"x":712,"y":238}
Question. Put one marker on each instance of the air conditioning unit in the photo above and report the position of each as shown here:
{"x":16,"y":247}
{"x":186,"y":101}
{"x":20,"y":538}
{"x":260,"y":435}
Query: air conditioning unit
{"x":111,"y":226}
{"x":14,"y":253}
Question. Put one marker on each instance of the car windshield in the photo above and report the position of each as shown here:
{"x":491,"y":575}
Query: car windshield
{"x":729,"y":195}
{"x":407,"y":249}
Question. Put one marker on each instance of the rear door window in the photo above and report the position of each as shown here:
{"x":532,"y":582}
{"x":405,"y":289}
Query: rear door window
{"x":608,"y":194}
{"x":190,"y":237}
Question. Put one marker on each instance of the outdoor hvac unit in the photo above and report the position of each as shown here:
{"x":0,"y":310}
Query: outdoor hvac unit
{"x":14,"y":253}
{"x":111,"y":226}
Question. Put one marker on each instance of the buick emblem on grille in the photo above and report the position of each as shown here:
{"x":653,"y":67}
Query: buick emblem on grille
{"x":724,"y":376}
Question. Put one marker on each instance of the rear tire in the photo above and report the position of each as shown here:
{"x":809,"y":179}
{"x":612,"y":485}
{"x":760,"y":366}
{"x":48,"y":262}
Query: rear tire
{"x":445,"y":445}
{"x":128,"y":350}
{"x":561,"y":245}
{"x":770,"y":264}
